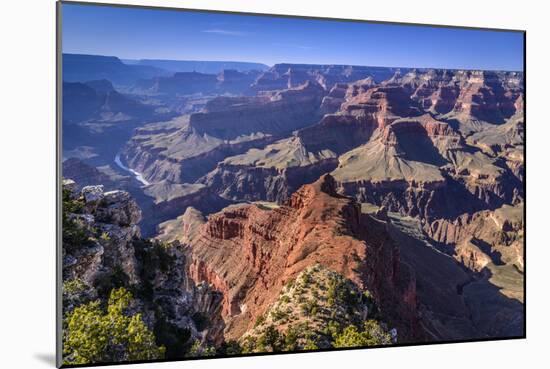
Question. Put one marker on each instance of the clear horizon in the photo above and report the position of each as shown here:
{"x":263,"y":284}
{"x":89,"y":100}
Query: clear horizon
{"x":139,"y":33}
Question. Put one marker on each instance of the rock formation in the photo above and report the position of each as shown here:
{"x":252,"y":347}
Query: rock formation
{"x":249,"y":253}
{"x":103,"y":250}
{"x":186,"y":149}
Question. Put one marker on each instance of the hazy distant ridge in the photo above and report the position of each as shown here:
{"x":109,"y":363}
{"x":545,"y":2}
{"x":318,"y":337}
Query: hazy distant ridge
{"x":210,"y":67}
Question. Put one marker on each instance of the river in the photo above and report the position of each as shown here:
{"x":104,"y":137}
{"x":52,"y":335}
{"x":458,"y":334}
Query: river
{"x":137,"y":175}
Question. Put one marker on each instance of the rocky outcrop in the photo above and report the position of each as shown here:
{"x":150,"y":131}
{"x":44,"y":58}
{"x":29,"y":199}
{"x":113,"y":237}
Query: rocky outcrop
{"x":103,"y":250}
{"x":365,"y":109}
{"x":488,"y":96}
{"x":236,"y":82}
{"x":313,"y":310}
{"x":276,"y":171}
{"x":100,"y":235}
{"x":469,"y":254}
{"x":228,"y":118}
{"x":390,"y":152}
{"x":183,"y":229}
{"x":249,"y":252}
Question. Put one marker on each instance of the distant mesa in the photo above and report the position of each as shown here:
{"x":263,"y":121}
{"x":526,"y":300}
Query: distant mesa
{"x":199,"y":66}
{"x":282,"y":76}
{"x":81,"y":68}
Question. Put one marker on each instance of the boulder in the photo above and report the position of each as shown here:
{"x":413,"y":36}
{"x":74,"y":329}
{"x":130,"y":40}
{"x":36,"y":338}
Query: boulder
{"x":92,"y":194}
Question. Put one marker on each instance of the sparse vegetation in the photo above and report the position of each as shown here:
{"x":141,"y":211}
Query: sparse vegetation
{"x":259,"y":321}
{"x":371,"y":334}
{"x":75,"y":292}
{"x":270,"y":339}
{"x":200,"y":350}
{"x":278,"y":314}
{"x":329,"y":313}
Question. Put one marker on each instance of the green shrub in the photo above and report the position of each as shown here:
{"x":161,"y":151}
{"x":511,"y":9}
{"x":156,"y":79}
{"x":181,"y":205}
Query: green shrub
{"x":290,"y":339}
{"x":309,"y":308}
{"x":259,"y":321}
{"x":339,"y":292}
{"x":74,"y":287}
{"x":92,"y":335}
{"x":269,"y":340}
{"x":76,"y":292}
{"x":332,"y":329}
{"x":248,"y":345}
{"x":306,"y":279}
{"x":372,"y":334}
{"x":71,"y":205}
{"x":201,"y":350}
{"x":310,"y":345}
{"x":278,"y":314}
{"x":231,"y":348}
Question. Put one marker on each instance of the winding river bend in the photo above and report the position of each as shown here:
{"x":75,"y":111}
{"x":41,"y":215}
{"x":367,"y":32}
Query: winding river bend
{"x":137,"y":175}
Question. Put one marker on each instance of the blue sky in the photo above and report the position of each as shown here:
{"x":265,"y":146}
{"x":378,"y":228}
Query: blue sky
{"x":134,"y":33}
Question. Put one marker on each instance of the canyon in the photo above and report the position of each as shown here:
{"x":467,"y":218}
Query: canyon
{"x":406,"y":186}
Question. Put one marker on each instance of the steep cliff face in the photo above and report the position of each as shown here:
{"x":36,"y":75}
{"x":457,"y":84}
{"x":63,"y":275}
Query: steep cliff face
{"x":103,"y":250}
{"x":382,"y":104}
{"x":270,"y":113}
{"x":488,"y":96}
{"x":99,"y":235}
{"x":274,"y":172}
{"x":187,"y":148}
{"x":471,"y":97}
{"x":249,"y":252}
{"x":400,"y":167}
{"x":422,"y":167}
{"x":336,"y":96}
{"x":270,"y":174}
{"x":497,"y":234}
{"x":461,"y":293}
{"x":390,"y":151}
{"x":183,"y":83}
